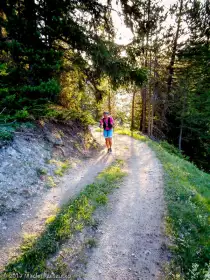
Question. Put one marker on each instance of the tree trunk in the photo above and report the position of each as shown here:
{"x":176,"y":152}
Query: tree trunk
{"x":180,"y":136}
{"x":182,"y":117}
{"x":149,"y":119}
{"x":144,"y":90}
{"x":152,"y":121}
{"x":109,"y":102}
{"x":133,"y":111}
{"x":149,"y":131}
{"x":143,"y":110}
{"x":174,"y":48}
{"x":31,"y":19}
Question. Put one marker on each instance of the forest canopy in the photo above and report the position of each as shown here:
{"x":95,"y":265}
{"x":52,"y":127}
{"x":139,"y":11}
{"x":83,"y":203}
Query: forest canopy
{"x":59,"y":59}
{"x":41,"y":41}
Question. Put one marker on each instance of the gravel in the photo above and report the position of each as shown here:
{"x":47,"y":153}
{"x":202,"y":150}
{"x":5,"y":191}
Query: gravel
{"x":130,"y":247}
{"x":131,"y":243}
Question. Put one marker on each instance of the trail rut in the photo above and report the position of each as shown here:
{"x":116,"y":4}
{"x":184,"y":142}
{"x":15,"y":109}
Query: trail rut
{"x":132,"y":246}
{"x":132,"y":243}
{"x":31,"y":220}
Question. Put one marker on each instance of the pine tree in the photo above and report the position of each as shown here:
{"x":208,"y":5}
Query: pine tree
{"x":36,"y":37}
{"x":190,"y":111}
{"x":145,"y":19}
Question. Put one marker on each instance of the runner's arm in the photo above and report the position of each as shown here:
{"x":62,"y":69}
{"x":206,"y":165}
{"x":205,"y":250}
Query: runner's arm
{"x":101,"y":123}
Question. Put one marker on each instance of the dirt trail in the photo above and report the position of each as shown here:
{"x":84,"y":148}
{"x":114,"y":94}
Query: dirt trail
{"x":31,"y":220}
{"x":132,"y":245}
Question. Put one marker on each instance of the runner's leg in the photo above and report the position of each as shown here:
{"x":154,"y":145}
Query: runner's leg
{"x":107,"y":143}
{"x":110,"y":142}
{"x":106,"y":139}
{"x":110,"y":139}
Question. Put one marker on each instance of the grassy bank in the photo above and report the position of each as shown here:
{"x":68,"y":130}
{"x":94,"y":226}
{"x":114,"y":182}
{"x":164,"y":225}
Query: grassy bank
{"x":70,"y":219}
{"x":187,"y":194}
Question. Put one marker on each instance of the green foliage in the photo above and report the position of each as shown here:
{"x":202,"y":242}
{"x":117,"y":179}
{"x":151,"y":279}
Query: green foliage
{"x":102,"y":199}
{"x":50,"y":182}
{"x":27,"y":125}
{"x":60,"y":113}
{"x":6,"y":134}
{"x":116,"y":67}
{"x":50,"y":89}
{"x":28,"y":241}
{"x":171,"y":149}
{"x":91,"y":243}
{"x":187,"y":194}
{"x":62,"y":166}
{"x":71,"y":218}
{"x":137,"y":135}
{"x":21,"y":115}
{"x":29,"y":79}
{"x":41,"y":171}
{"x":191,"y":108}
{"x":3,"y":69}
{"x":59,"y":61}
{"x":190,"y":102}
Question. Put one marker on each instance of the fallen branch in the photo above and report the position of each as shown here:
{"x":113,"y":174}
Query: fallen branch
{"x":3,"y":110}
{"x":3,"y":124}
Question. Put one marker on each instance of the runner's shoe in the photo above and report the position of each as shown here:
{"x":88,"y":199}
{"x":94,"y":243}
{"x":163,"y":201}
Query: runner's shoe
{"x":110,"y":150}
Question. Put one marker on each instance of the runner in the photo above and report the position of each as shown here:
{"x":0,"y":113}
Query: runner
{"x":107,"y":123}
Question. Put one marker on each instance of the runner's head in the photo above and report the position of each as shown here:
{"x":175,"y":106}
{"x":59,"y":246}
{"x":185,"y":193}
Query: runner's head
{"x":106,"y":114}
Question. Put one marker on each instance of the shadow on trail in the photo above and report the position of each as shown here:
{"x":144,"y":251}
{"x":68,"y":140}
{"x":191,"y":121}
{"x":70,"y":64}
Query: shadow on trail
{"x":32,"y":219}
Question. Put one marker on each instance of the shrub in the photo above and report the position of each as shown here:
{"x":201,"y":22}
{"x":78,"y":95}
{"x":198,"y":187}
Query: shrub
{"x":22,"y":114}
{"x":6,"y":134}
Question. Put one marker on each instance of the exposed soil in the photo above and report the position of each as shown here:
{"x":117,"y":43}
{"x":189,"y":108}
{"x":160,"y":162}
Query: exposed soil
{"x":132,"y":245}
{"x":30,"y":191}
{"x":130,"y":231}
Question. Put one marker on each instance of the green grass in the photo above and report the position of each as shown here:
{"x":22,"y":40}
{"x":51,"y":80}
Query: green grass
{"x":62,"y":166}
{"x":41,"y":171}
{"x":91,"y":243}
{"x":134,"y":134}
{"x":98,"y":129}
{"x":28,"y":241}
{"x":187,"y":194}
{"x":71,"y":218}
{"x":125,"y":131}
{"x":50,"y":183}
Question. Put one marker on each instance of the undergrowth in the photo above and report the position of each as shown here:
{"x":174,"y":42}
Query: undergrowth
{"x":6,"y":134}
{"x":7,"y":131}
{"x":62,"y":167}
{"x":187,"y":194}
{"x":55,"y":112}
{"x":70,"y":219}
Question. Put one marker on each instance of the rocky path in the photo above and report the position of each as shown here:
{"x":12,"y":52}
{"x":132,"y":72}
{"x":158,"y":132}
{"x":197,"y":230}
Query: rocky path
{"x":32,"y":220}
{"x":132,"y":246}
